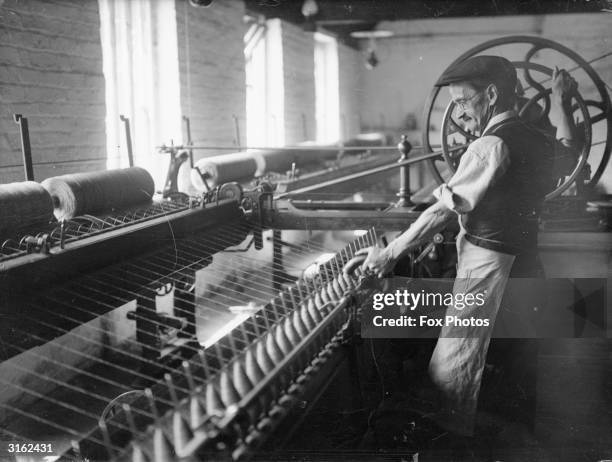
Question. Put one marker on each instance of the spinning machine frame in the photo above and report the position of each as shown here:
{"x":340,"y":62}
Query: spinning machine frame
{"x":219,"y":400}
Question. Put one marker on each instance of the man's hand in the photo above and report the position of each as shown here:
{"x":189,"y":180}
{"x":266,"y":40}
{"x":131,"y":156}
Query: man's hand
{"x":379,"y":260}
{"x":563,"y":85}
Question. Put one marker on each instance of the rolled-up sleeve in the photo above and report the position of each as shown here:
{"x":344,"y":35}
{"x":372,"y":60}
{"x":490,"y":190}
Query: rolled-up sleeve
{"x":485,"y":160}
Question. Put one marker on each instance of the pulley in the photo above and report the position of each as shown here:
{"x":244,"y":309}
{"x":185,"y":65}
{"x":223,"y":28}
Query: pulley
{"x":590,"y":107}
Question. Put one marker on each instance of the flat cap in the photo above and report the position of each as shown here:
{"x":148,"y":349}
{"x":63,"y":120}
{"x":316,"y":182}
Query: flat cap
{"x":496,"y":69}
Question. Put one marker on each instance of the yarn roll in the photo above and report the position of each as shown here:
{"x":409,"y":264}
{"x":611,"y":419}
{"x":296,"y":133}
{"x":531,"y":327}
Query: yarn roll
{"x":238,"y":166}
{"x":23,"y":205}
{"x":280,"y":161}
{"x":225,"y":168}
{"x":87,"y":193}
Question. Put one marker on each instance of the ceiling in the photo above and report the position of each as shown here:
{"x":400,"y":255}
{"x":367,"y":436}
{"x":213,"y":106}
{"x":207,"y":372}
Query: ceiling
{"x":344,"y":17}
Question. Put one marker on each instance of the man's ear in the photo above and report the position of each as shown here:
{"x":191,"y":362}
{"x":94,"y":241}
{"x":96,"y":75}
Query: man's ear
{"x":492,"y":94}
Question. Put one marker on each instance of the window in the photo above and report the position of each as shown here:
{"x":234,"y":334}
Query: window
{"x":140,"y":60}
{"x":264,"y":82}
{"x":327,"y":93}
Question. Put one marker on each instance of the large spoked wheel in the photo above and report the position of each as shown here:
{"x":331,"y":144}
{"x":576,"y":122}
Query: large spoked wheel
{"x":534,"y":59}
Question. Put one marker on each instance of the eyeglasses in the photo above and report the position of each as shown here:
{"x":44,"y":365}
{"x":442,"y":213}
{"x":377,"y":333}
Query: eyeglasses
{"x":462,"y":102}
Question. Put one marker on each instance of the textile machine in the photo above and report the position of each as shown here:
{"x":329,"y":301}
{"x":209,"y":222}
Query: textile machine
{"x":140,"y":329}
{"x":101,"y":304}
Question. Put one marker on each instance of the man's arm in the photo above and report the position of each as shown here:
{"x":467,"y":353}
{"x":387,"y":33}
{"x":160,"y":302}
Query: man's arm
{"x":563,"y":85}
{"x":567,"y":145}
{"x":433,"y":219}
{"x":485,"y":160}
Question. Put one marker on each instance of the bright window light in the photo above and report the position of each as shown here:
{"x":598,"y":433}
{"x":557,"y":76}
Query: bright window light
{"x":265,"y":86}
{"x":327,"y":93}
{"x":141,"y":69}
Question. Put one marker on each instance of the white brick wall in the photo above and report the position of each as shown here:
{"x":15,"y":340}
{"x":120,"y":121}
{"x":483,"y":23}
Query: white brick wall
{"x":211,"y":66}
{"x":51,"y":72}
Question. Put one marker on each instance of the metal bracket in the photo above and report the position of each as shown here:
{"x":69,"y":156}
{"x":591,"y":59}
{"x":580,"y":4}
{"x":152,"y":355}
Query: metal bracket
{"x":26,"y":149}
{"x":128,"y":139}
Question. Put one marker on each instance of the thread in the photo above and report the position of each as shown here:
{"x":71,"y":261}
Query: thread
{"x":84,"y":193}
{"x":23,"y":205}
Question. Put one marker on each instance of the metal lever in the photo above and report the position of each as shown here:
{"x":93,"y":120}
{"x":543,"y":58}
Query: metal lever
{"x":177,"y":158}
{"x":189,"y":140}
{"x":128,"y":139}
{"x":26,"y":150}
{"x":203,"y":176}
{"x":437,"y":239}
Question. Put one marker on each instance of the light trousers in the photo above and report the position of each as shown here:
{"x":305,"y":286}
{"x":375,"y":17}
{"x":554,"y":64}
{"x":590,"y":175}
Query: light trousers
{"x":458,"y":360}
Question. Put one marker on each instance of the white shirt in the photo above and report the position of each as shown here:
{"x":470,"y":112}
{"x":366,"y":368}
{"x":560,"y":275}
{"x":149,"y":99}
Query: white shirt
{"x":484,"y":161}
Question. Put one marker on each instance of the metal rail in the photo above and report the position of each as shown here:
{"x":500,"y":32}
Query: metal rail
{"x":374,"y":171}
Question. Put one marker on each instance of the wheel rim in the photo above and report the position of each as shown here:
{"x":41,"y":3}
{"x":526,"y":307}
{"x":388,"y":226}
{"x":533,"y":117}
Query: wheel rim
{"x":602,"y":104}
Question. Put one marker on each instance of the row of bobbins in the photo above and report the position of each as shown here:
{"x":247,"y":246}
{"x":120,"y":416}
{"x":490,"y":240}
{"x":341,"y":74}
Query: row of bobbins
{"x":297,"y":311}
{"x":29,"y":204}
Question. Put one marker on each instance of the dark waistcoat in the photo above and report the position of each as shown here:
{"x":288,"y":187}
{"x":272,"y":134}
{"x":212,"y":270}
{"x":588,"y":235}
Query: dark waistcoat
{"x":506,"y":218}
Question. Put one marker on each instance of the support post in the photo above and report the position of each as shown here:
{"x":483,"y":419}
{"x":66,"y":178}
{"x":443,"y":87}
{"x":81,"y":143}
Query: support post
{"x":404,"y":148}
{"x":147,"y":332}
{"x":184,"y":302}
{"x":277,"y":260}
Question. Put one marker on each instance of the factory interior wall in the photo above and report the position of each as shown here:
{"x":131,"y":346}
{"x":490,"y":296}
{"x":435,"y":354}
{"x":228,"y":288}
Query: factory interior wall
{"x":213,"y":90}
{"x":212,"y":73}
{"x":298,"y":68}
{"x":413,"y":59}
{"x":51,"y":73}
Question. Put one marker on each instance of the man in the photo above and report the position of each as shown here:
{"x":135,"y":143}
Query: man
{"x":497,"y":193}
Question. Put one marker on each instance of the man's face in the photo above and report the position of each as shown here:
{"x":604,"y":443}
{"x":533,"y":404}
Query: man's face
{"x":470,"y":107}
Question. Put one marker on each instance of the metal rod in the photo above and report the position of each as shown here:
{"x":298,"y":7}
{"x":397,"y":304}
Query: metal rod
{"x":334,"y":205}
{"x":26,"y":149}
{"x":128,"y":139}
{"x":288,"y":148}
{"x":189,"y":140}
{"x":277,"y":260}
{"x":374,"y":171}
